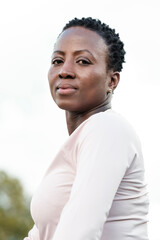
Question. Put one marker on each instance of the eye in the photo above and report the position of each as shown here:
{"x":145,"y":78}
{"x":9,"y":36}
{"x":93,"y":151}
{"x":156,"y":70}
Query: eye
{"x":56,"y":61}
{"x":83,"y":62}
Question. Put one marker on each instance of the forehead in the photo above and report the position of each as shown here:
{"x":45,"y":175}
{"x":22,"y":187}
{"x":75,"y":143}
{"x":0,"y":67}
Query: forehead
{"x":77,"y":38}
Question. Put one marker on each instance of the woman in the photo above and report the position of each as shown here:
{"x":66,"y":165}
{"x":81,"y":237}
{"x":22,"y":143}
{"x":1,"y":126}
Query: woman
{"x":94,"y":189}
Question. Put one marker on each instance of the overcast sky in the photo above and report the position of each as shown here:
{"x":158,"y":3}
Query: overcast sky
{"x":32,"y":128}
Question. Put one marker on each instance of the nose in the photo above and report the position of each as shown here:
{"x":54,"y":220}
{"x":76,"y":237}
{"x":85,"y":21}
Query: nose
{"x":67,"y":74}
{"x":67,"y":71}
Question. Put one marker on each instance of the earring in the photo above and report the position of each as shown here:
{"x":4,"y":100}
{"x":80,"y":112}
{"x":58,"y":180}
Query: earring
{"x":110,"y":90}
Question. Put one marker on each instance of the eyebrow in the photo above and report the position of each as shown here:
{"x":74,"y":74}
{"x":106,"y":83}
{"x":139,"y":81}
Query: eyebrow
{"x":58,"y":51}
{"x":76,"y":52}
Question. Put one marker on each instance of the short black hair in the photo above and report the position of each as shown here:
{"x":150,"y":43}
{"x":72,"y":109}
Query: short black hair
{"x":114,"y":44}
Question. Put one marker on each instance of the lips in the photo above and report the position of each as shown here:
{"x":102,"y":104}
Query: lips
{"x":66,"y":89}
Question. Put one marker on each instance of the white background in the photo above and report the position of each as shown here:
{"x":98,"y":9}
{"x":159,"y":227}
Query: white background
{"x":32,"y":128}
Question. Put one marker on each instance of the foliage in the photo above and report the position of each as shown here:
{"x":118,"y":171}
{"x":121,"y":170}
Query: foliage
{"x":15,"y":219}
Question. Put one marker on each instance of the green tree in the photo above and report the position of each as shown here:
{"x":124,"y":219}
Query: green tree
{"x":15,"y":219}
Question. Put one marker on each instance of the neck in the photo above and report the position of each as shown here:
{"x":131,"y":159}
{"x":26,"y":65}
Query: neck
{"x":74,"y":119}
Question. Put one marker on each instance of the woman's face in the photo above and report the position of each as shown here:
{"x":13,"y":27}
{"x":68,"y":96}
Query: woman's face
{"x":78,"y":77}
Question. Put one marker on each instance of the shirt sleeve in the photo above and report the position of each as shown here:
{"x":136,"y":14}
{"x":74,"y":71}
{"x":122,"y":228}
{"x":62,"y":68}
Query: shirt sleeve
{"x":33,"y":234}
{"x":103,"y":157}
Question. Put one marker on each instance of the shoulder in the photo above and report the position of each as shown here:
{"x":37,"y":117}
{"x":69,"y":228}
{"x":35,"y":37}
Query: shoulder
{"x":109,"y":121}
{"x":107,"y":135}
{"x":109,"y":125}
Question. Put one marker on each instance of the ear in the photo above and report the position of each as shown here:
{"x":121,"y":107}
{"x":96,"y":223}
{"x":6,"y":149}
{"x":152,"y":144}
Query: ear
{"x":114,"y":80}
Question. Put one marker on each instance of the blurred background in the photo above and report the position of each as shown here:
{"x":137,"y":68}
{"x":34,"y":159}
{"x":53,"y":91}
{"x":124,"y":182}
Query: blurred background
{"x":32,"y":128}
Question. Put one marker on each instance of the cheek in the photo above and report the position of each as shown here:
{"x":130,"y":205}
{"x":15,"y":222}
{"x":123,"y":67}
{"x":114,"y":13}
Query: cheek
{"x":94,"y":89}
{"x":51,"y":78}
{"x":51,"y":81}
{"x":49,"y":75}
{"x":97,"y":81}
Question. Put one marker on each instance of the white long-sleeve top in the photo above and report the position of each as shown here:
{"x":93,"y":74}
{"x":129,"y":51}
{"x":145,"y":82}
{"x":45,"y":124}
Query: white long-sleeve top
{"x":94,"y":189}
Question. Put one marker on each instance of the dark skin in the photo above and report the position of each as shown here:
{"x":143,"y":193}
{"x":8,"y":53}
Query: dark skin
{"x":78,"y":77}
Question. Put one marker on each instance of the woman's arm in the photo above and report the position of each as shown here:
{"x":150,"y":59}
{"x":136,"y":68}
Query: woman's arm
{"x":33,"y":234}
{"x":103,"y":157}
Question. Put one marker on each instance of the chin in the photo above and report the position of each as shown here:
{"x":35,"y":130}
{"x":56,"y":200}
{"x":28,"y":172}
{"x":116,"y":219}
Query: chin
{"x":73,"y":105}
{"x":66,"y":107}
{"x":71,"y":108}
